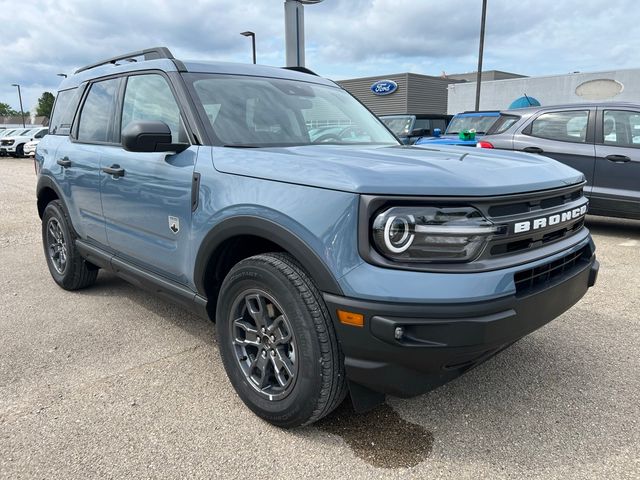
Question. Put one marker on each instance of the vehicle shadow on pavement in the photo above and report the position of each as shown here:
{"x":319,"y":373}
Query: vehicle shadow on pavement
{"x":110,"y":285}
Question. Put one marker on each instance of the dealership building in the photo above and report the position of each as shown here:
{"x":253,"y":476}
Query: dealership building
{"x":406,"y":93}
{"x":613,"y":85}
{"x":412,"y":92}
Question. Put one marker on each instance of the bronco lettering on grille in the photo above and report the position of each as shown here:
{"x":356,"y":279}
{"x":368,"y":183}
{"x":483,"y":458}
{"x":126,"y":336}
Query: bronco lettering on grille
{"x":549,"y":220}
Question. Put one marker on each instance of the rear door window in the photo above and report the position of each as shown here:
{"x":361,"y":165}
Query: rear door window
{"x":621,"y":128}
{"x":569,"y":126}
{"x":97,"y":116}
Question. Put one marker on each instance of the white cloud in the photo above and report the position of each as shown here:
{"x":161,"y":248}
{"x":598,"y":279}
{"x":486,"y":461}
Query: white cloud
{"x":345,"y":38}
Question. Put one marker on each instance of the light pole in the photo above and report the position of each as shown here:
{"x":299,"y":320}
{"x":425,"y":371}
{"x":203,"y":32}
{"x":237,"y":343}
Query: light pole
{"x":253,"y":43}
{"x":294,"y":31}
{"x":480,"y":53}
{"x":20,"y":97}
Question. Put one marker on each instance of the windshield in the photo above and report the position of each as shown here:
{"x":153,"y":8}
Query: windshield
{"x":400,"y":125}
{"x":6,"y":133}
{"x":479,"y":123}
{"x":271,"y":112}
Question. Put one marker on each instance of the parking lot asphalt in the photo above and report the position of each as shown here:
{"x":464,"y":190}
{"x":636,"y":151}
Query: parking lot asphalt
{"x":113,"y":382}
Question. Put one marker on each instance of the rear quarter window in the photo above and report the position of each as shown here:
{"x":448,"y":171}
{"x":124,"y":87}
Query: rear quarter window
{"x":64,"y":111}
{"x":504,"y":123}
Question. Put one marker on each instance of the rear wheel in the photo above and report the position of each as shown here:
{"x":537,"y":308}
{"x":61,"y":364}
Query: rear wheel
{"x":67,"y":267}
{"x":277,"y":341}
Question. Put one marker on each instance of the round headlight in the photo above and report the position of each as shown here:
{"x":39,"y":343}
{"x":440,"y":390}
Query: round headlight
{"x":398,"y":233}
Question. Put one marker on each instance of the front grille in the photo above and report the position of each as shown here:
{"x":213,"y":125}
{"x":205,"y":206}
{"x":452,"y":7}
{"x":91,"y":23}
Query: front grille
{"x":537,"y":205}
{"x":7,"y":142}
{"x":519,"y":208}
{"x":533,"y":279}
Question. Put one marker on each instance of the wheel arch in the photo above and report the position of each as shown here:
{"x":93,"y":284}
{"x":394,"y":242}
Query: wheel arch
{"x":259,"y":235}
{"x":46,"y":191}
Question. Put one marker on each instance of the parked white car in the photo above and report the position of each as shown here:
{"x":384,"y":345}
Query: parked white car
{"x":14,"y":144}
{"x":30,"y":148}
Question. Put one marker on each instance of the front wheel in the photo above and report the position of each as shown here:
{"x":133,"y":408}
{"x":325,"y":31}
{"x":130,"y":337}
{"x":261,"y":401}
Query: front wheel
{"x":277,"y":341}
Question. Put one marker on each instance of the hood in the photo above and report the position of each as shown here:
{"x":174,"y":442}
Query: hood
{"x":399,"y":170}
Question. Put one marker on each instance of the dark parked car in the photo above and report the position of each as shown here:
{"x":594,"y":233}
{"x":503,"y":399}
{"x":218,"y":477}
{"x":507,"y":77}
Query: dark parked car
{"x":601,"y":140}
{"x":409,"y":128}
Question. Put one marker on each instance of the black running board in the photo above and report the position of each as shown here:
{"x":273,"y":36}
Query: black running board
{"x":144,"y":279}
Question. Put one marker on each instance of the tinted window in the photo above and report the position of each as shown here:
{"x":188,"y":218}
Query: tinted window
{"x":41,"y":133}
{"x":562,"y":126}
{"x":63,"y":111}
{"x":97,"y":113}
{"x":479,"y":122}
{"x":621,"y":128}
{"x":148,"y":97}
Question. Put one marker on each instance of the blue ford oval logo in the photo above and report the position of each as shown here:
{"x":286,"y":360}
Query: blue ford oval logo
{"x":384,"y":87}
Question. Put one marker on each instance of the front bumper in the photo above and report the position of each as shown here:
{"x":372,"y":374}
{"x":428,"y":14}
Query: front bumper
{"x":406,"y":349}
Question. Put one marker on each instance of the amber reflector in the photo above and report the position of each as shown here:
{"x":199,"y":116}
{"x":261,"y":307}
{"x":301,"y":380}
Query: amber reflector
{"x":350,"y":318}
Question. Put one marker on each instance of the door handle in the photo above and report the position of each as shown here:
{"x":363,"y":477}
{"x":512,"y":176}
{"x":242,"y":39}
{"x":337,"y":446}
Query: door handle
{"x":532,"y":150}
{"x":114,"y":170}
{"x":64,"y":162}
{"x":618,"y":158}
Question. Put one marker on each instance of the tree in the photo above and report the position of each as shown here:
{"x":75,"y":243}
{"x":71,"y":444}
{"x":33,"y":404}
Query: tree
{"x":7,"y":111}
{"x":45,"y":104}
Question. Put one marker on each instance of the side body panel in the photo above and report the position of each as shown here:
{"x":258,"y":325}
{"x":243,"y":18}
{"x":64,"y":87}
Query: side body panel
{"x":147,"y":211}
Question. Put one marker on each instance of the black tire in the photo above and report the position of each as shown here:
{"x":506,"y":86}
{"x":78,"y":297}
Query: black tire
{"x":318,"y":385}
{"x":20,"y":150}
{"x":74,"y":273}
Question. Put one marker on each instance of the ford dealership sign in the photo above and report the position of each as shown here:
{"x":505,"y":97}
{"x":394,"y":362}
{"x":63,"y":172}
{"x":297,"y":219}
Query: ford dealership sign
{"x":384,"y":87}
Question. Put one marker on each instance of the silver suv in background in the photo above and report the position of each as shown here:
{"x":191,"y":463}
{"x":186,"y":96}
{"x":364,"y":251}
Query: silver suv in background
{"x":602,"y":140}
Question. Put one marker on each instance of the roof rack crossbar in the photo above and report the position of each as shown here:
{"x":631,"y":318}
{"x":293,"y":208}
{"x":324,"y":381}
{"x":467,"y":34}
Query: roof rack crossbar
{"x":148,"y":54}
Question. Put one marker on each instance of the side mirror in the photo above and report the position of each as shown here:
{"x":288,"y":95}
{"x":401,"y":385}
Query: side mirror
{"x":150,"y":136}
{"x":420,"y":132}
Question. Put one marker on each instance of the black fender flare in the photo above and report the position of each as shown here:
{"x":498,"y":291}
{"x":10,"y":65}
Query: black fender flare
{"x":269,"y":230}
{"x":47,"y":182}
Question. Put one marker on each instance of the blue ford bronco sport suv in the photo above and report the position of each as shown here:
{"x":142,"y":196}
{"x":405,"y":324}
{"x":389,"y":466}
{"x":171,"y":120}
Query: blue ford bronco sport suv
{"x":357,"y":266}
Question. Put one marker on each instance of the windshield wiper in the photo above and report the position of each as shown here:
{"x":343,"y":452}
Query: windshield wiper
{"x":240,"y":146}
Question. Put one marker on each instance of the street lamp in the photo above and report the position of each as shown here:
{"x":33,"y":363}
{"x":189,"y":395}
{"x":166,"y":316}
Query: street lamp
{"x":253,"y":42}
{"x":20,"y":97}
{"x":294,"y":31}
{"x":480,"y":53}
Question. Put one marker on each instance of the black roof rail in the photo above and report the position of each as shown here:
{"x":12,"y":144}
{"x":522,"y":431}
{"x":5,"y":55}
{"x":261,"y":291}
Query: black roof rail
{"x":302,"y":69}
{"x":148,"y":54}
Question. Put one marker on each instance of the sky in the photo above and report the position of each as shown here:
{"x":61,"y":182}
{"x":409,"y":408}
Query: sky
{"x":344,"y":38}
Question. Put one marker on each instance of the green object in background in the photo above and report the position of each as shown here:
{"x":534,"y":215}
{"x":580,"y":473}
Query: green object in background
{"x":467,"y":135}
